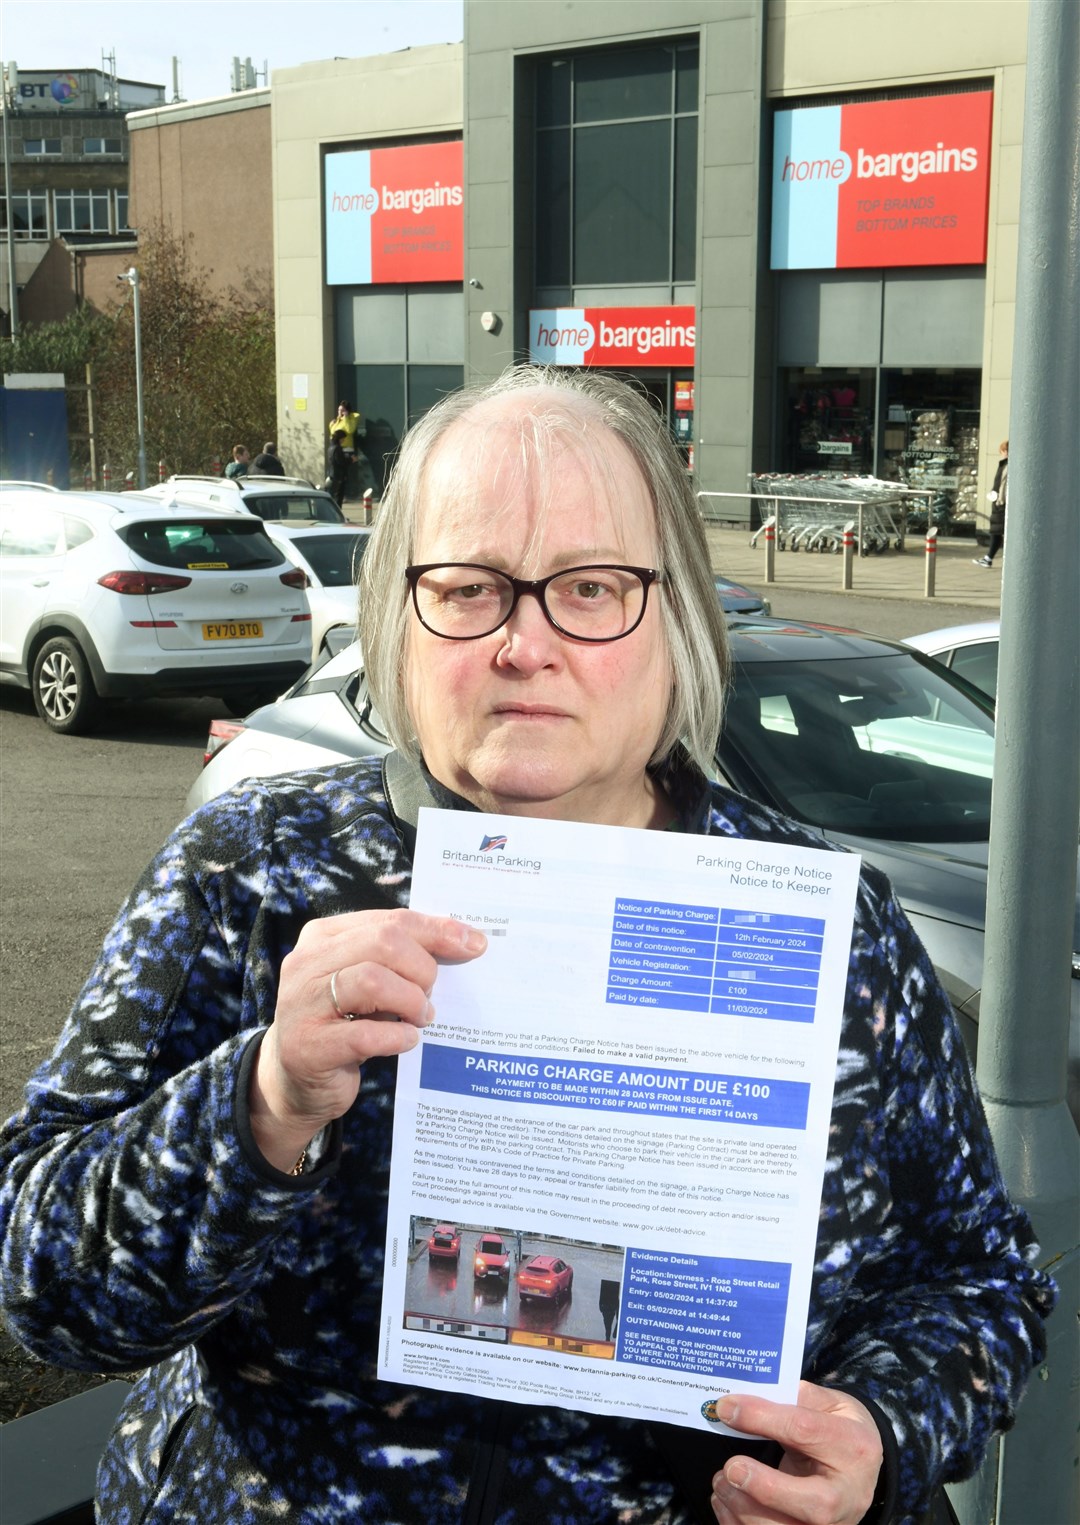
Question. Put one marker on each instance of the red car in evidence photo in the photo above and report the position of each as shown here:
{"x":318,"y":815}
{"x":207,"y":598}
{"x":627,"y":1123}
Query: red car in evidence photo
{"x":445,"y":1242}
{"x":491,"y":1259}
{"x":545,"y":1276}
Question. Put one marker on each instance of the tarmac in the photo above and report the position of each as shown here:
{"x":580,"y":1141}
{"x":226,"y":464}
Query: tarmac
{"x":893,"y":574}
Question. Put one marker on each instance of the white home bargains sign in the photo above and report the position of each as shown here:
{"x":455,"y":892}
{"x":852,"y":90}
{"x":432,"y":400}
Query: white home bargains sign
{"x":394,"y":215}
{"x":882,"y":183}
{"x":612,"y":336}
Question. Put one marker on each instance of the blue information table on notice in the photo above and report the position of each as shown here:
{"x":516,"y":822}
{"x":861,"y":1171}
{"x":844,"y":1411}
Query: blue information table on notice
{"x":705,"y":958}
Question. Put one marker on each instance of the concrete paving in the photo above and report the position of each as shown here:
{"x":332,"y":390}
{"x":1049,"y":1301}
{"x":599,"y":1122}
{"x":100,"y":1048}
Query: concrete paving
{"x":894,"y":574}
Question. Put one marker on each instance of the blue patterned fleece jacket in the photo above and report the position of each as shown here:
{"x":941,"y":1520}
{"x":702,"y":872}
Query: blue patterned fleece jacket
{"x":141,"y":1227}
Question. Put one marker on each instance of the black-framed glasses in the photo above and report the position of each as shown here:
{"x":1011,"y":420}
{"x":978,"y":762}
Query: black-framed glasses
{"x":464,"y":600}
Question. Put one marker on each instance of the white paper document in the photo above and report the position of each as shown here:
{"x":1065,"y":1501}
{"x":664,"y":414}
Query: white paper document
{"x":609,"y":1145}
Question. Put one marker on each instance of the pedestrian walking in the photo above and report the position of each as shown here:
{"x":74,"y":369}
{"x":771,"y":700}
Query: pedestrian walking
{"x":998,"y":496}
{"x":267,"y":462}
{"x":337,"y":466}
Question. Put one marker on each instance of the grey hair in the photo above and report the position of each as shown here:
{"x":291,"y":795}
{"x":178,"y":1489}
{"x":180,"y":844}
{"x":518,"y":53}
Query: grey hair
{"x":693,"y":624}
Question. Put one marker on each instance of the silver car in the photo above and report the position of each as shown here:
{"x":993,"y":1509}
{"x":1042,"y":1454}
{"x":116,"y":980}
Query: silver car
{"x":879,"y":748}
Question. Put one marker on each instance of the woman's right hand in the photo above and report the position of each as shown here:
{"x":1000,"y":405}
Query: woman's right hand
{"x":384,"y":965}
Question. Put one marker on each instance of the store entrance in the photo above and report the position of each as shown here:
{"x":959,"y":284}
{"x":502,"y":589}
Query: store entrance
{"x":672,"y":395}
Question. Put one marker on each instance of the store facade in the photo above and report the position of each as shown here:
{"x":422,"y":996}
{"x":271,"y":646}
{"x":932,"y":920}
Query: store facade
{"x":369,"y":246}
{"x":833,"y":220}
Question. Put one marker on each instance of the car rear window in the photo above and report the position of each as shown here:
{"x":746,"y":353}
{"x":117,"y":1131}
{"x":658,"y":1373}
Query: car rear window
{"x":294,"y":505}
{"x":335,"y":559}
{"x":210,"y":545}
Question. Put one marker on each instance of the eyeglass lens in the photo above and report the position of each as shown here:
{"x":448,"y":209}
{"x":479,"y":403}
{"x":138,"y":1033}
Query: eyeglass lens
{"x":593,"y":603}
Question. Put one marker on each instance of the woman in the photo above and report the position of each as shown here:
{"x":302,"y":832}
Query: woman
{"x":209,"y":1145}
{"x":998,"y":496}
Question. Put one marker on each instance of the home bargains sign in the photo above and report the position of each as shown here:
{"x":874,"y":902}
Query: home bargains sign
{"x":612,"y":336}
{"x":882,"y":183}
{"x":395,"y":214}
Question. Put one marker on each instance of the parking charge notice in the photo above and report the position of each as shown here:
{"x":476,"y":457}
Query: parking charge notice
{"x":635,"y":1081}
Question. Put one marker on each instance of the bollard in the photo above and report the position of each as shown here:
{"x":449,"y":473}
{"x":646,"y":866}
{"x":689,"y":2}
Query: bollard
{"x":87,"y":481}
{"x":161,"y":470}
{"x":215,"y":467}
{"x":931,"y":561}
{"x":770,"y":549}
{"x":106,"y":477}
{"x":369,"y":493}
{"x":848,"y":547}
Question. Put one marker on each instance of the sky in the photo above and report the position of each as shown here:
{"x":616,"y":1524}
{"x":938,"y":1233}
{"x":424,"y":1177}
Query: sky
{"x":207,"y":34}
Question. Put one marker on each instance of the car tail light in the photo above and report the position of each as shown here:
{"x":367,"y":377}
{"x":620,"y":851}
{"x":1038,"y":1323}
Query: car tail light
{"x":221,"y":733}
{"x":295,"y":578}
{"x":144,"y":583}
{"x":300,"y":618}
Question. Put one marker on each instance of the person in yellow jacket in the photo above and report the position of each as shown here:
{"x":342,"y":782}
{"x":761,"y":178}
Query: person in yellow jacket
{"x":355,"y":426}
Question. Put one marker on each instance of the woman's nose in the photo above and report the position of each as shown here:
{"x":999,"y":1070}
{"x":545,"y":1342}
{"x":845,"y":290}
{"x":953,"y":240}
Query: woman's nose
{"x":529,"y":638}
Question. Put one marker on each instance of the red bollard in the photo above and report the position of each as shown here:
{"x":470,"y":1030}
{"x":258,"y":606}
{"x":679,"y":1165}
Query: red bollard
{"x":161,"y":471}
{"x":366,"y":500}
{"x":106,"y":476}
{"x":215,"y":467}
{"x":931,"y":562}
{"x":847,"y":545}
{"x":770,"y":549}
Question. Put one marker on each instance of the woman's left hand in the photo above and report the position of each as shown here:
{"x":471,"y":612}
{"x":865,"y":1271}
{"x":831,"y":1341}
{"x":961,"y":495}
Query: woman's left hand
{"x":832,"y":1457}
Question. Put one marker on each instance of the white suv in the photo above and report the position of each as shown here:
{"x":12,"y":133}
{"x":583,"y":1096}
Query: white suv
{"x":113,"y":596}
{"x":269,"y":497}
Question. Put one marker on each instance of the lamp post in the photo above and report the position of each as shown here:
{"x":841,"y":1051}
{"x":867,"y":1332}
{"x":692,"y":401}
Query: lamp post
{"x":132,"y":279}
{"x":13,"y":295}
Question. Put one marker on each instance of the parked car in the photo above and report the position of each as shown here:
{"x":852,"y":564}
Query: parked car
{"x":112,"y":596}
{"x":444,"y":1243}
{"x":290,"y":498}
{"x":545,"y":1276}
{"x":735,"y":599}
{"x":491,"y":1259}
{"x":970,"y":650}
{"x":872,"y":743}
{"x":7,"y":484}
{"x":330,"y":554}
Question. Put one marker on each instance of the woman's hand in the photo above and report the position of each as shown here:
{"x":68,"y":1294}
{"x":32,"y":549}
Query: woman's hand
{"x":383,"y":965}
{"x":832,"y":1457}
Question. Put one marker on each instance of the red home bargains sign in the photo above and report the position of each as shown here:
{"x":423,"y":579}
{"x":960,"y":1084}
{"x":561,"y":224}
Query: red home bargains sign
{"x":882,"y":183}
{"x":394,"y":214}
{"x":623,"y":336}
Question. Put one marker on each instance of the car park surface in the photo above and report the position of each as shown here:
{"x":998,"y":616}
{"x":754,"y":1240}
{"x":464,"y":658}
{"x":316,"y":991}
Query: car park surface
{"x":330,"y":555}
{"x":970,"y":651}
{"x":285,"y":498}
{"x":875,"y":745}
{"x":109,"y":596}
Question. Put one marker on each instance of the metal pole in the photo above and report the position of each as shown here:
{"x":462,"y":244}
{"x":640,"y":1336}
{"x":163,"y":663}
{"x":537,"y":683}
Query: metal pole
{"x":848,"y":544}
{"x":1032,"y":1473}
{"x":133,"y":276}
{"x":770,"y":549}
{"x":931,"y":562}
{"x":13,"y":295}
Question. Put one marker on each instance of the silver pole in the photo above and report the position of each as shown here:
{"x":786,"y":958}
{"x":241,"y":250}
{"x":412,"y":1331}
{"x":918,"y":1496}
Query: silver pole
{"x":132,"y":278}
{"x":1031,"y":1473}
{"x":13,"y":295}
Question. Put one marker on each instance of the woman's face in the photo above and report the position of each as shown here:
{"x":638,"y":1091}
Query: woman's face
{"x":525,"y":720}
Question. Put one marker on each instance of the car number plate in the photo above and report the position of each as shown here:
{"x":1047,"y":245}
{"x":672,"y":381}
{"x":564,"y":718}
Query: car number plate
{"x":233,"y":630}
